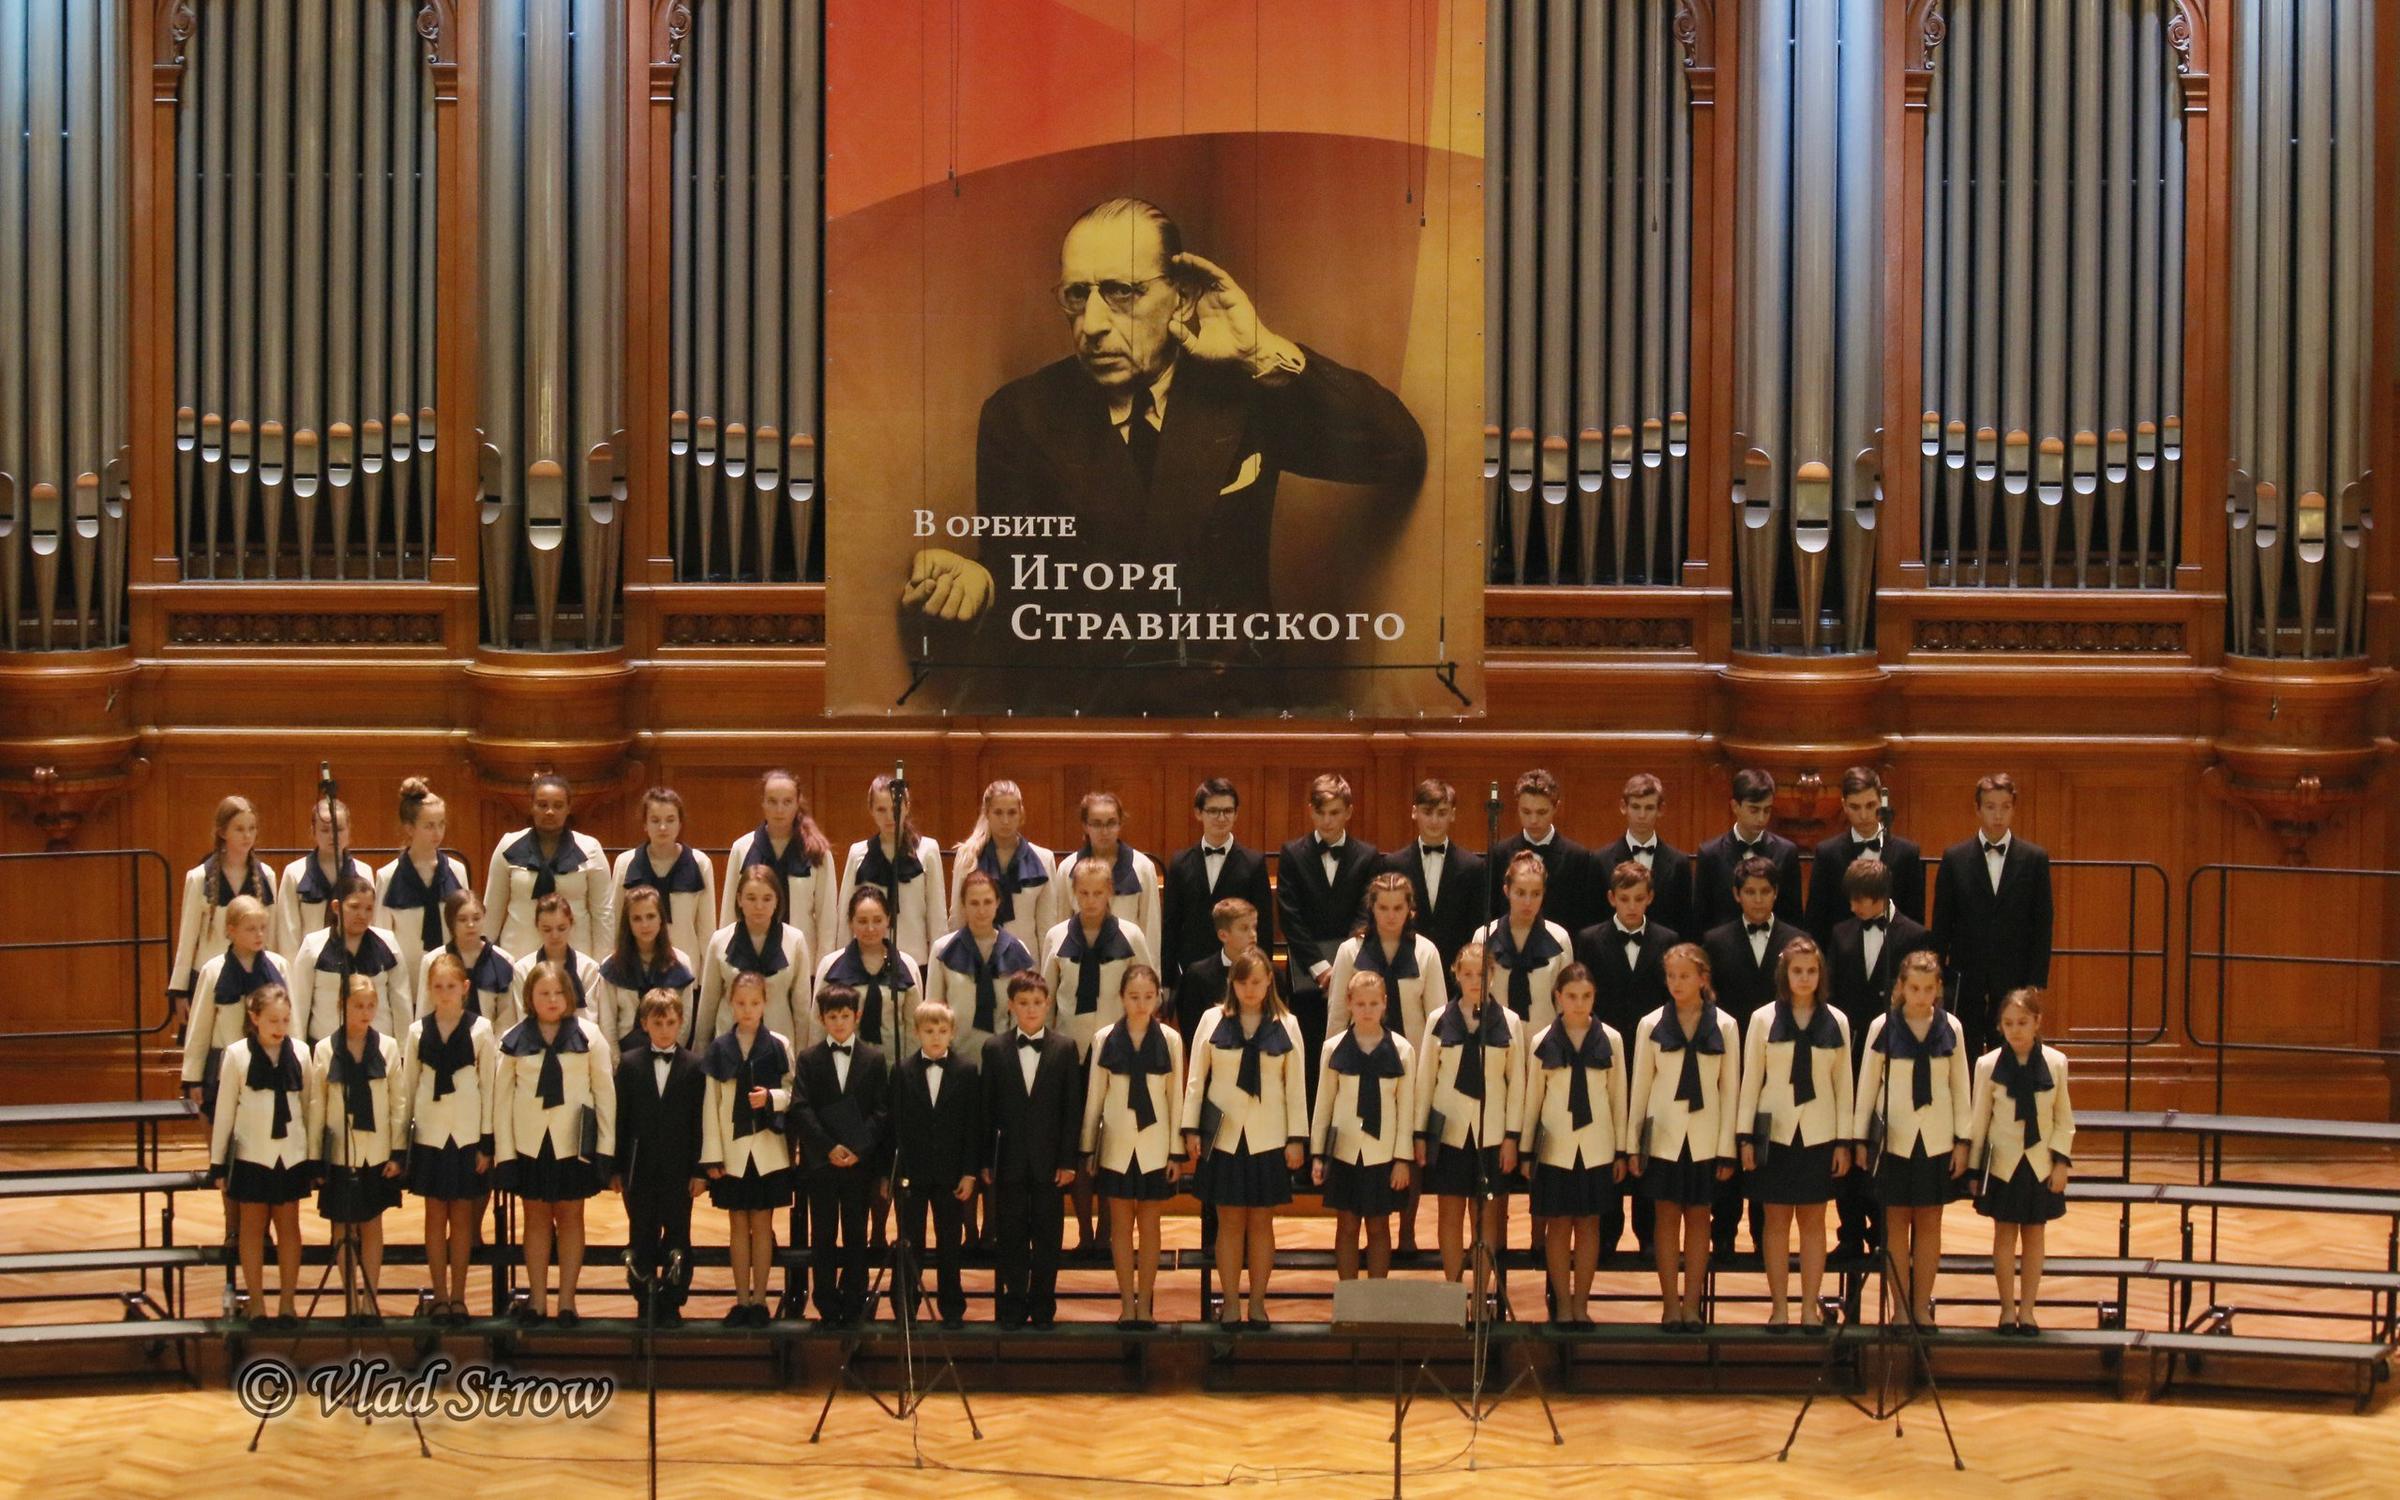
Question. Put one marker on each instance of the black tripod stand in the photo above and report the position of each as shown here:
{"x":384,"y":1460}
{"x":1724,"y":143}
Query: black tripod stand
{"x":1885,"y":1407}
{"x":901,"y":1266}
{"x":647,"y":1284}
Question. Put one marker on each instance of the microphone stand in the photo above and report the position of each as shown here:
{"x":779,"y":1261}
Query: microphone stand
{"x":1887,"y":1274}
{"x":646,"y":1284}
{"x":326,"y":799}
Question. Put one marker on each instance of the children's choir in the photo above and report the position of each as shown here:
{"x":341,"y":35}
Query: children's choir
{"x":1574,"y":1024}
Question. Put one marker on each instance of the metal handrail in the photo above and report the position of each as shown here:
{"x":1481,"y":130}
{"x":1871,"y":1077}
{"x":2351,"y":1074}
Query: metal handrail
{"x":137,"y":946}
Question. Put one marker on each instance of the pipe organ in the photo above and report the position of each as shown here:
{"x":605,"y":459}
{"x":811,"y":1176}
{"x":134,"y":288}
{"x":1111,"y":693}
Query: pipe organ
{"x":742,"y":434}
{"x":2298,"y":494}
{"x":1807,"y":488}
{"x":304,"y":256}
{"x":1587,"y":256}
{"x":551,"y":467}
{"x":64,"y":478}
{"x":2051,"y":444}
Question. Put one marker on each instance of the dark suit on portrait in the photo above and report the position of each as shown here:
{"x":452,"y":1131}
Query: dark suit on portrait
{"x":1991,"y":942}
{"x":1828,"y":908}
{"x":1713,"y":903}
{"x":1670,"y":880}
{"x":1188,"y":905}
{"x":1454,"y":915}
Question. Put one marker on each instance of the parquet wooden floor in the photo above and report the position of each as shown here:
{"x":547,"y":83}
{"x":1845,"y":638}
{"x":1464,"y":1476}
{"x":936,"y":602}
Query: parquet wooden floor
{"x":163,"y":1440}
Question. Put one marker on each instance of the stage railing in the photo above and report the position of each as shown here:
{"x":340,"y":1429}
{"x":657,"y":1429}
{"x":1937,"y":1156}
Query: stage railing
{"x":146,"y":946}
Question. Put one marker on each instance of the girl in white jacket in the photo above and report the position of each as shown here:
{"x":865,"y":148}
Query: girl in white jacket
{"x":258,"y":1146}
{"x":449,"y":1072}
{"x":1573,"y":1140}
{"x":1247,"y":1107}
{"x":1687,"y":1083}
{"x":1362,"y":1127}
{"x":554,"y":1132}
{"x":1130,"y":1134}
{"x":1794,"y":1123}
{"x":2024,"y":1132}
{"x":355,"y":1120}
{"x":742,"y":1145}
{"x":1918,"y":1123}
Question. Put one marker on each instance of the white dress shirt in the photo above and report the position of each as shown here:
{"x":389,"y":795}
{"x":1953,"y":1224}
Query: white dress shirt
{"x":1434,"y":857}
{"x":935,"y":1067}
{"x":1995,"y":858}
{"x":1212,"y":861}
{"x":1029,"y":1059}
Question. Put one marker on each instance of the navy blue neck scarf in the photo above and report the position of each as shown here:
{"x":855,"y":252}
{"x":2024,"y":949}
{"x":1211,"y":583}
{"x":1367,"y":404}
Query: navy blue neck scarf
{"x":762,"y":1067}
{"x":959,"y":955}
{"x":1089,"y":955}
{"x":409,"y":892}
{"x":1540,"y":947}
{"x":1269,"y":1040}
{"x":525,"y":1040}
{"x":281,"y":1072}
{"x":1821,"y":1031}
{"x":1470,"y":1040}
{"x":1370,"y":1066}
{"x":235,"y":983}
{"x":525,"y":852}
{"x":1556,"y":1051}
{"x":1707,"y":1040}
{"x":1896,"y":1041}
{"x":680,"y":878}
{"x":1023,"y":870}
{"x":447,"y":1055}
{"x":2023,"y":1082}
{"x":1119,"y":1054}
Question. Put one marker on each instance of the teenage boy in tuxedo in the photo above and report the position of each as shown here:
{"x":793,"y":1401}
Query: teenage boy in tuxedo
{"x":937,"y":1147}
{"x":1203,"y":983}
{"x":1574,"y":895}
{"x":1627,"y":958}
{"x":1033,"y":1111}
{"x":1320,"y":889}
{"x":661,"y":1089}
{"x":1644,"y":798}
{"x":1992,"y":916}
{"x":1862,"y":809}
{"x":1209,"y":871}
{"x":1713,"y":901}
{"x":1864,"y":963}
{"x":1742,"y":952}
{"x":1449,"y":880}
{"x":838,"y":1115}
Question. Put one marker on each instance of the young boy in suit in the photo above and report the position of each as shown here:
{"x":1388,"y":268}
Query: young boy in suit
{"x":1217,"y":867}
{"x":1992,"y":918}
{"x":1572,"y":897}
{"x":1713,"y":901}
{"x":1865,"y":959}
{"x":1862,"y":808}
{"x":937,"y":1142}
{"x":1449,"y":881}
{"x":1742,"y":952}
{"x":1033,"y":1109}
{"x":1321,"y":888}
{"x":1644,"y":798}
{"x":1627,"y":958}
{"x":838,"y":1114}
{"x":1202,"y":986}
{"x":661,"y":1088}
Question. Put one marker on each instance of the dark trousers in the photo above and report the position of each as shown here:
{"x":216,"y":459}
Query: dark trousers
{"x":795,"y":1276}
{"x":1625,"y":1201}
{"x":1726,"y":1214}
{"x":658,"y":1226}
{"x":837,"y":1213}
{"x":939,"y":1251}
{"x":1032,"y":1219}
{"x":1308,"y":1008}
{"x":1861,"y":1216}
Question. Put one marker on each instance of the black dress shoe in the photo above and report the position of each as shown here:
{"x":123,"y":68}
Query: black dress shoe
{"x":2008,"y":1328}
{"x":1812,"y":1330}
{"x":671,"y":1318}
{"x":1779,"y":1330}
{"x":954,"y":1321}
{"x":1045,"y":1323}
{"x":2029,"y":1329}
{"x":569,"y":1318}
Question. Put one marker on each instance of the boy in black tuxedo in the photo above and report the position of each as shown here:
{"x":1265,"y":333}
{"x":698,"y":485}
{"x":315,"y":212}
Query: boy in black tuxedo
{"x":1991,"y":913}
{"x":1713,"y":882}
{"x":1202,"y":986}
{"x":839,"y":1116}
{"x":660,"y":1092}
{"x":1209,"y":871}
{"x":937,"y":1144}
{"x":1643,"y":799}
{"x":1865,"y":957}
{"x":1033,"y":1108}
{"x":1574,"y":897}
{"x":1320,"y":890}
{"x":1627,"y":956}
{"x":1449,"y":881}
{"x":1742,"y":952}
{"x":1862,"y":806}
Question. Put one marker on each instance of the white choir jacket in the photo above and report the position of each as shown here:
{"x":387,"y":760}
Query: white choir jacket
{"x":367,"y":1148}
{"x":408,"y":925}
{"x":462,"y":1117}
{"x":619,"y":1010}
{"x":200,"y":927}
{"x":924,"y":913}
{"x":1711,"y":1130}
{"x":1335,"y":1132}
{"x":791,"y":990}
{"x":1065,"y":974}
{"x":1767,"y":1085}
{"x":519,"y":1120}
{"x":957,"y":991}
{"x":211,"y":1028}
{"x":1997,"y":1142}
{"x":1504,"y":1084}
{"x":1109,"y":1128}
{"x":767,"y":1147}
{"x":691,"y":915}
{"x":1038,"y":909}
{"x":1141,"y":907}
{"x":1542,"y":980}
{"x":1406,"y":1011}
{"x":317,"y":992}
{"x":243,"y":1129}
{"x":508,"y":898}
{"x":1276,"y":1118}
{"x":1949,"y":1120}
{"x":493,"y":1004}
{"x":898,"y":1019}
{"x":515,"y":1009}
{"x":808,"y":899}
{"x":295,"y":919}
{"x":1549,"y":1135}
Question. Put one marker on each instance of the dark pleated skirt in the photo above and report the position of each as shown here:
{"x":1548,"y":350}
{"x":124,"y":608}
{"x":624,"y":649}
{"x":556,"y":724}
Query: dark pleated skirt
{"x":1452,"y":1174}
{"x":251,"y":1183}
{"x":1577,"y":1192}
{"x":1246,"y":1179}
{"x":446,"y":1172}
{"x":1366,"y":1191}
{"x":751,"y":1191}
{"x":1139,"y":1186}
{"x":1915,"y":1180}
{"x":2023,"y":1199}
{"x":548,"y":1179}
{"x":1794,"y":1174}
{"x":1693,"y":1184}
{"x":355,"y":1195}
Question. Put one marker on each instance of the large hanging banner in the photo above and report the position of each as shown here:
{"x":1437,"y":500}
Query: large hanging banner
{"x":1153,"y":353}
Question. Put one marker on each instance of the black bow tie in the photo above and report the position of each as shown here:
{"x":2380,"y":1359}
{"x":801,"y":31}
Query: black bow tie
{"x":1649,"y":848}
{"x":1433,"y":851}
{"x":1759,"y":929}
{"x":1871,"y":846}
{"x":840,"y":1049}
{"x":1991,"y":848}
{"x":937,"y":1062}
{"x":1744,"y":851}
{"x":1875,"y":924}
{"x":1208,"y":853}
{"x":1028,"y":1043}
{"x":1634,"y":936}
